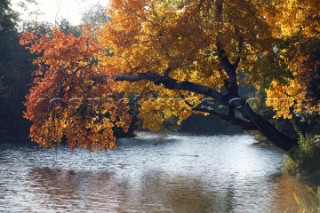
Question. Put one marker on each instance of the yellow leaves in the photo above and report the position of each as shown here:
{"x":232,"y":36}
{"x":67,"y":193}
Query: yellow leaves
{"x":288,"y":100}
{"x":295,"y":16}
{"x":167,"y":104}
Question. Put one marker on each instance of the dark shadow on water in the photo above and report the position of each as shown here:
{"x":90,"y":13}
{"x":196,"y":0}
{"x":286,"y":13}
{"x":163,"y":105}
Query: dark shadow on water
{"x":12,"y":144}
{"x":145,"y":142}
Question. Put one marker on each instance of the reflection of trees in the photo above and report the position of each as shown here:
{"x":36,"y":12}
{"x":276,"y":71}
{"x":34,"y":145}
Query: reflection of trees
{"x":55,"y":181}
{"x":284,"y":188}
{"x":151,"y":191}
{"x":180,"y":194}
{"x":156,"y":191}
{"x":64,"y":189}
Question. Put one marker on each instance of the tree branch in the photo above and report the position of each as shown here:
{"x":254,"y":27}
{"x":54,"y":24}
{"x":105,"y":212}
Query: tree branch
{"x":167,"y":71}
{"x":225,"y":63}
{"x":200,"y":4}
{"x":240,"y":48}
{"x":245,"y":125}
{"x":173,"y":84}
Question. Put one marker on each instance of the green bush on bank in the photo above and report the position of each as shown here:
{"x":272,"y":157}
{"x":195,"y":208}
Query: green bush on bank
{"x":305,"y":158}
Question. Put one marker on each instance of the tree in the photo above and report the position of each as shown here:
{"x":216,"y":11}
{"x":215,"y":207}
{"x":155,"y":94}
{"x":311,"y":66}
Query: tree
{"x":299,"y":30}
{"x":15,"y":69}
{"x":182,"y":57}
{"x":67,"y":28}
{"x":69,"y":97}
{"x":96,"y":16}
{"x":14,"y":74}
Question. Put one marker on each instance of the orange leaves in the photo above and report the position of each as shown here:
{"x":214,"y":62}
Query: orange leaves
{"x":27,"y":38}
{"x":68,"y":97}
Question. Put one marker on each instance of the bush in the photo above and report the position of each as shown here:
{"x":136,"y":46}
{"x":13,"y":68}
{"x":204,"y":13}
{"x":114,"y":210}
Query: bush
{"x":305,"y":158}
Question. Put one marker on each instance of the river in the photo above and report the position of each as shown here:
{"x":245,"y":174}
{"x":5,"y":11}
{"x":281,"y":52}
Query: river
{"x":149,"y":173}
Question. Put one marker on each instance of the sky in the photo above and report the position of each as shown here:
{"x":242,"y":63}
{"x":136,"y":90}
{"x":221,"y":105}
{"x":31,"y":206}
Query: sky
{"x":50,"y":10}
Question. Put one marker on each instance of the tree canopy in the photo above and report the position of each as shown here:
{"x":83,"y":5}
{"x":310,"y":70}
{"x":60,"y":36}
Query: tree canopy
{"x":15,"y":72}
{"x":182,"y":57}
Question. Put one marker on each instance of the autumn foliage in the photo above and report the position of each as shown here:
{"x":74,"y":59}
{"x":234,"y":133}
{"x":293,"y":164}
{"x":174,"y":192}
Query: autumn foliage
{"x":67,"y":98}
{"x":298,"y":27}
{"x":77,"y":95}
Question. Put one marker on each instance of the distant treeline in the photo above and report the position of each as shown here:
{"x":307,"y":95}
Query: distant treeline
{"x":16,"y":70}
{"x":15,"y":76}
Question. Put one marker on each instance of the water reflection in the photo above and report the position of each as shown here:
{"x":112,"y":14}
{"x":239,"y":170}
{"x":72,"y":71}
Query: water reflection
{"x":149,"y":174}
{"x":62,"y":189}
{"x":284,"y":187}
{"x":57,"y":189}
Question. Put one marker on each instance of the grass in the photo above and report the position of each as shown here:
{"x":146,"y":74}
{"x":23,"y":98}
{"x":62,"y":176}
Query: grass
{"x":310,"y":203}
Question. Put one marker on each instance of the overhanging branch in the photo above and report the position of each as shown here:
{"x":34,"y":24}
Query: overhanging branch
{"x":173,"y":84}
{"x":245,"y":125}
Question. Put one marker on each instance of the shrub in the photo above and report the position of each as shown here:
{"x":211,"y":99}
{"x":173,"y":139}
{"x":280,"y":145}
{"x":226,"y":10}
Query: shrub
{"x":305,"y":158}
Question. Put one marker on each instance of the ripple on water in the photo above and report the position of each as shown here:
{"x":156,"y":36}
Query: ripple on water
{"x":174,"y":173}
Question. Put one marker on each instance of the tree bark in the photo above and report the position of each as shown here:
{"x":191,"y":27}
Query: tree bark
{"x":268,"y":130}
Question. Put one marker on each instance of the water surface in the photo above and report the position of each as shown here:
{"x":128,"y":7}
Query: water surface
{"x":149,"y":173}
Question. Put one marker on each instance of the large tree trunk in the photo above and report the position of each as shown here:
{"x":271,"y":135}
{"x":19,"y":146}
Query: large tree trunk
{"x":267,"y":129}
